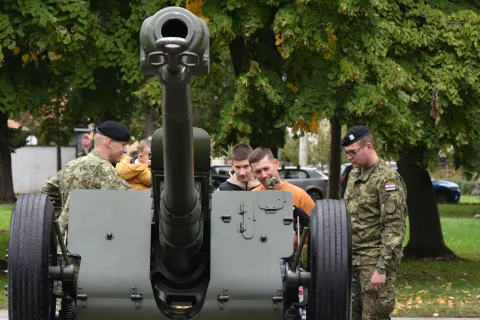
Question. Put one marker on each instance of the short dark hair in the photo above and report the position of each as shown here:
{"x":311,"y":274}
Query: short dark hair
{"x":260,"y":153}
{"x":145,"y":143}
{"x":240,"y":152}
{"x":368,"y":139}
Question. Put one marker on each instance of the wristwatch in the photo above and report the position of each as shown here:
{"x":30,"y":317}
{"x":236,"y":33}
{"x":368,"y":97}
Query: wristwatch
{"x":380,"y":270}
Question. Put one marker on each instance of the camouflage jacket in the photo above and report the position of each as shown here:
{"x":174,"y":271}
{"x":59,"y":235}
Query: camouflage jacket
{"x":89,"y":172}
{"x":376,"y":202}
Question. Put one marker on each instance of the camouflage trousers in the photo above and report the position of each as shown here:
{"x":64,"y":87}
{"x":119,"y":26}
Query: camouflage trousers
{"x":368,"y":304}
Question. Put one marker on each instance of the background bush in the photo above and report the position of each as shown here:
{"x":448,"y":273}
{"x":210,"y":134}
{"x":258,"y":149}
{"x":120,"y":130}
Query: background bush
{"x":466,"y":186}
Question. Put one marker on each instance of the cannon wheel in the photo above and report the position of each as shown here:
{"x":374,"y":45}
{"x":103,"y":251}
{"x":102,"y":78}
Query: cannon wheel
{"x":330,"y":261}
{"x":32,"y":249}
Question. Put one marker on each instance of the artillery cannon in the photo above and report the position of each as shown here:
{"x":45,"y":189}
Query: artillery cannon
{"x":180,"y":250}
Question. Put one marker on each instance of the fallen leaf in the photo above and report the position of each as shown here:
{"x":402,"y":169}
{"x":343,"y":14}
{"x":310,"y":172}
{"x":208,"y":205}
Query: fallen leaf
{"x":441,"y":301}
{"x":418,"y":299}
{"x":422,"y":291}
{"x":408,"y":287}
{"x":449,"y":284}
{"x":435,"y":314}
{"x":450,"y":303}
{"x":465,"y":291}
{"x":451,"y":298}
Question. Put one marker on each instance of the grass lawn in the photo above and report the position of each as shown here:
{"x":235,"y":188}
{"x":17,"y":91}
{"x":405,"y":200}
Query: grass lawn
{"x":441,"y":288}
{"x":438,"y":289}
{"x":470,"y":199}
{"x":424,"y":288}
{"x":5,"y":213}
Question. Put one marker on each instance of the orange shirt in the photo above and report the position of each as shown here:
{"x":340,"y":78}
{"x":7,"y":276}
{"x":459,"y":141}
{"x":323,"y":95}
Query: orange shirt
{"x":301,"y":199}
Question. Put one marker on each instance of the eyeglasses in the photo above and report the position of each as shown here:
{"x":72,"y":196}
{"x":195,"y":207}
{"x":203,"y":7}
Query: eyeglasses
{"x":352,"y":153}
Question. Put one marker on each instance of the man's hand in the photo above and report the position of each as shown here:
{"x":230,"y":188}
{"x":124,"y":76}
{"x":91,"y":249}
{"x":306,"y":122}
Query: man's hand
{"x":303,"y":217}
{"x":377,"y":281}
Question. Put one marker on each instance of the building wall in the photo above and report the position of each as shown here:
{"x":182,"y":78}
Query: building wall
{"x":32,"y":166}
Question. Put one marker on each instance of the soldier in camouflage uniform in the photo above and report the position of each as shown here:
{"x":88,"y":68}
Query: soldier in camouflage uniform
{"x":376,"y":201}
{"x":93,"y":171}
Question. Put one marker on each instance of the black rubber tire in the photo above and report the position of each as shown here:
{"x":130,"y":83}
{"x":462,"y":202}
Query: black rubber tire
{"x":330,"y":261}
{"x":32,"y":249}
{"x":441,"y":197}
{"x":315,"y":194}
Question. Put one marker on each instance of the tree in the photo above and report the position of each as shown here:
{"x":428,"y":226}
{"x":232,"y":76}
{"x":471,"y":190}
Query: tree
{"x":69,"y":49}
{"x":388,"y":65}
{"x":396,"y":66}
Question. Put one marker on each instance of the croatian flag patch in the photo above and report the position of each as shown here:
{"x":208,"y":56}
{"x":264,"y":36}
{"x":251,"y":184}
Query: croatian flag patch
{"x":390,"y":186}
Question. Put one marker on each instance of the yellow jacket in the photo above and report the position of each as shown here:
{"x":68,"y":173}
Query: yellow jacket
{"x":136,"y":174}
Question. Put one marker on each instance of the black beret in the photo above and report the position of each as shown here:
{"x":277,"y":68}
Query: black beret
{"x":354,"y":134}
{"x":114,"y":130}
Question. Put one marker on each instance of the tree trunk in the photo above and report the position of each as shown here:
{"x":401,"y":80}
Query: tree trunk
{"x":334,"y":163}
{"x":149,"y":123}
{"x":426,"y":238}
{"x":6,"y":182}
{"x":59,"y":156}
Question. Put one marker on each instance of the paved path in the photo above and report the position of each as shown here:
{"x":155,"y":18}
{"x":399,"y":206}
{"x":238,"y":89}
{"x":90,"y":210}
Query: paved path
{"x":4,"y":316}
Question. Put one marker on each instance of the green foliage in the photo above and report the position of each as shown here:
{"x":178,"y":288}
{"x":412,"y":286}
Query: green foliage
{"x":16,"y":138}
{"x":409,"y":70}
{"x":291,"y":149}
{"x":402,"y":68}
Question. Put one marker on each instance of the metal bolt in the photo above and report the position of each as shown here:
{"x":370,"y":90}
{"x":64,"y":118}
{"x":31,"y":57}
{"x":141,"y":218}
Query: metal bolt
{"x":263,"y":238}
{"x":109,"y":236}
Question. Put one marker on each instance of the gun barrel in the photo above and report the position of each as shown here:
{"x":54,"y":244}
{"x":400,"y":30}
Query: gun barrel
{"x":180,"y":196}
{"x":174,"y":47}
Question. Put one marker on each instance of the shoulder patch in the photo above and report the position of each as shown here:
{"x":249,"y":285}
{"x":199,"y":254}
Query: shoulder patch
{"x":390,"y":186}
{"x":390,"y":207}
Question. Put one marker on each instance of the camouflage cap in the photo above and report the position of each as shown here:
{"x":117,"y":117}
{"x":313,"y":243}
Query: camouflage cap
{"x":114,"y":130}
{"x":354,"y":134}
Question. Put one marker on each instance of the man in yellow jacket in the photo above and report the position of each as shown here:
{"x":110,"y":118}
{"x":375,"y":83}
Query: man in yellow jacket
{"x":136,"y":171}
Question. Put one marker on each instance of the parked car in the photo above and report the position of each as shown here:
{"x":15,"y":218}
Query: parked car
{"x":219,"y":173}
{"x":344,"y":172}
{"x":313,"y":181}
{"x":446,"y":191}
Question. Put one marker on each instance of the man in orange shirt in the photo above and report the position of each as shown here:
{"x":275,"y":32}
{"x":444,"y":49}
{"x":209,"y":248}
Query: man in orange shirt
{"x":265,"y":169}
{"x":136,"y":171}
